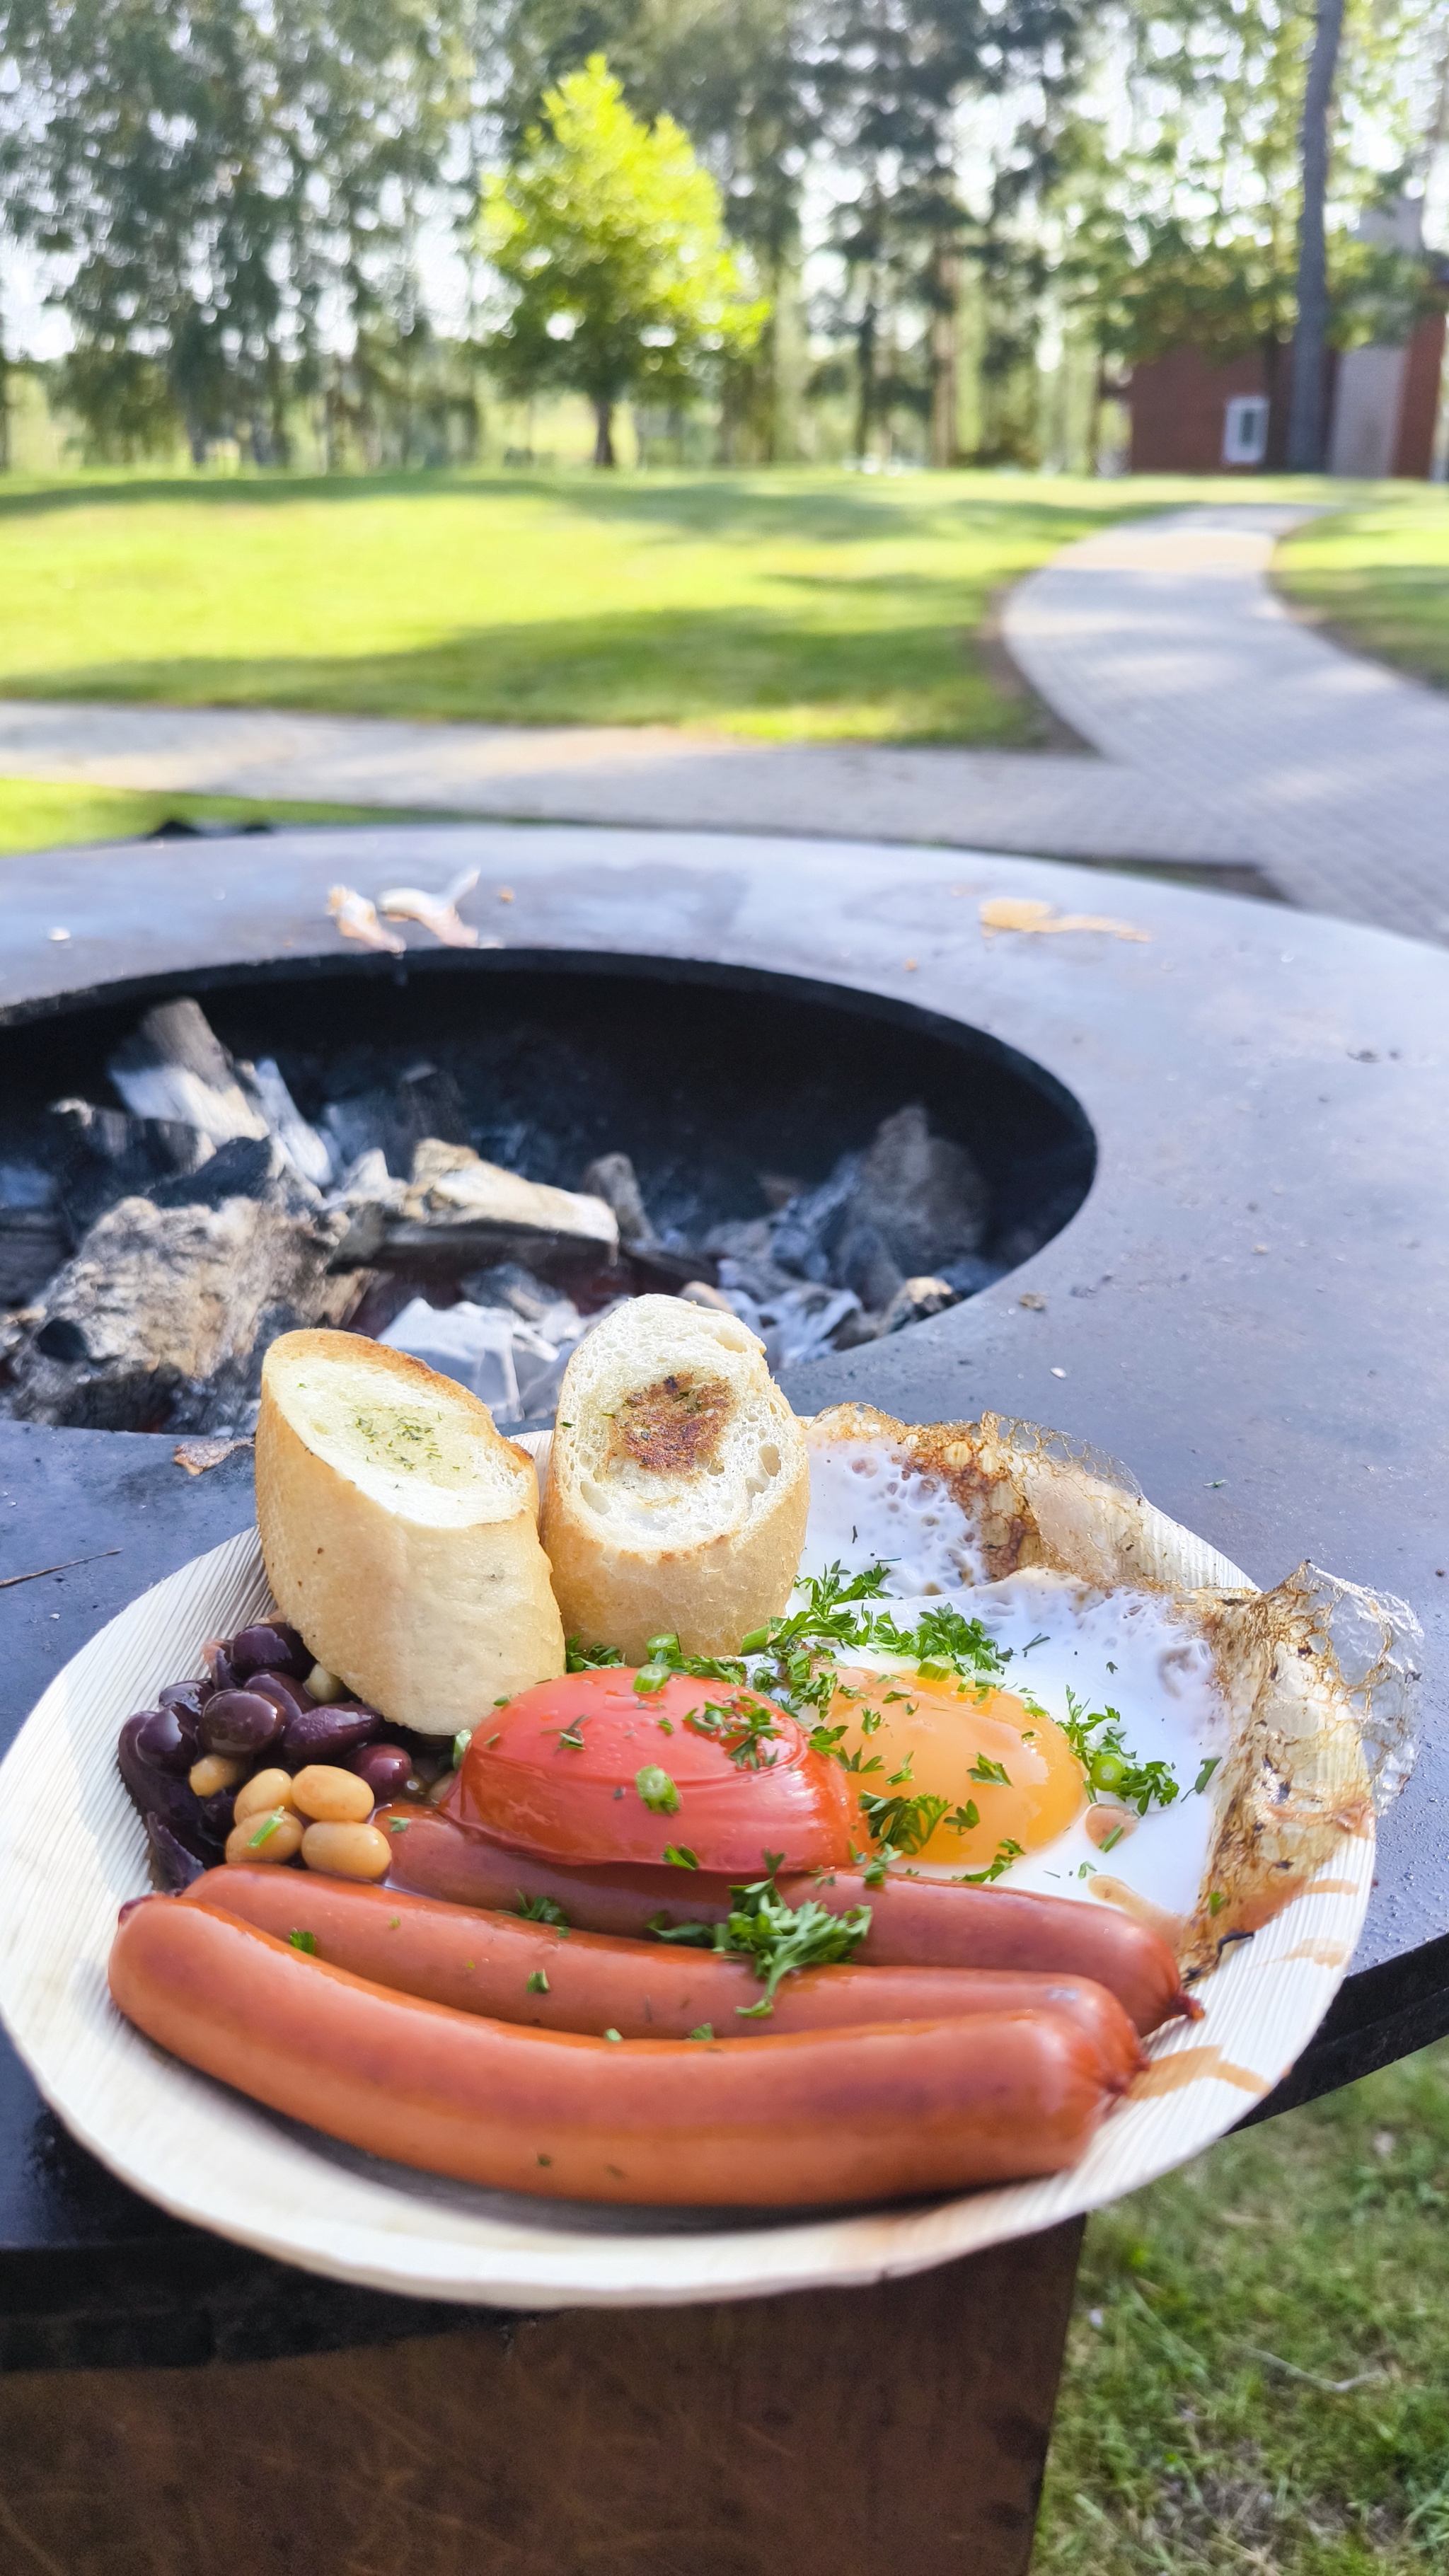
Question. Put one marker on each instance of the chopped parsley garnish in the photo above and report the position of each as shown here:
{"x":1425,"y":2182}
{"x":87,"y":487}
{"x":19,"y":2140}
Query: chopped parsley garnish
{"x":902,"y":1824}
{"x":665,"y":1659}
{"x":580,"y":1658}
{"x":1006,"y":1853}
{"x":541,"y":1909}
{"x":657,"y":1790}
{"x":613,"y":2034}
{"x":461,"y":1742}
{"x":777,"y":1937}
{"x":537,"y":1983}
{"x":265,"y":1829}
{"x":990,"y":1775}
{"x":741,"y":1727}
{"x":680,"y":1856}
{"x":1108,"y":1769}
{"x":571,"y":1737}
{"x":304,"y":1941}
{"x":1205,"y":1774}
{"x":705,"y":2031}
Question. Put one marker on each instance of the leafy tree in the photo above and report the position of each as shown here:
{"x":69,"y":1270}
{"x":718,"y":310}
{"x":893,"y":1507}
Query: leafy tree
{"x":607,"y":237}
{"x":214,"y":178}
{"x":1185,"y":221}
{"x":740,"y":77}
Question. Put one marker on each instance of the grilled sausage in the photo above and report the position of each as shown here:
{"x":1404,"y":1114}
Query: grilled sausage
{"x":555,"y":1980}
{"x":914,"y":1922}
{"x":818,"y":2117}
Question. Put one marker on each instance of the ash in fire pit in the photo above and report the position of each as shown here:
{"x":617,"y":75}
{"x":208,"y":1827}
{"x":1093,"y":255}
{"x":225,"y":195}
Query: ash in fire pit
{"x":200,"y":1181}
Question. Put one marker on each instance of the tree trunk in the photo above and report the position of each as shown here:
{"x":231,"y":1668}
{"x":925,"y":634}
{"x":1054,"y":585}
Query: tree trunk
{"x":604,"y":432}
{"x":865,"y":378}
{"x":1306,"y":422}
{"x":945,"y":345}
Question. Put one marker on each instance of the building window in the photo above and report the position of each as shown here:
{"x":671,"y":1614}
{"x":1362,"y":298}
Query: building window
{"x":1245,"y":430}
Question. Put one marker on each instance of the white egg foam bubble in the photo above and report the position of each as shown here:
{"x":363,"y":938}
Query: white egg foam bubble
{"x":1122,"y":1649}
{"x":869,"y":1507}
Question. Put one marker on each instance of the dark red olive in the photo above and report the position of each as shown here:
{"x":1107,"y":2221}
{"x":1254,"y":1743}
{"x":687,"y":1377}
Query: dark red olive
{"x":168,"y":1738}
{"x":222,"y":1676}
{"x":172,"y":1865}
{"x":268,"y":1647}
{"x":385,"y":1767}
{"x":240,"y":1722}
{"x":327,"y":1734}
{"x":190,"y":1695}
{"x":160,"y":1793}
{"x":282,"y":1691}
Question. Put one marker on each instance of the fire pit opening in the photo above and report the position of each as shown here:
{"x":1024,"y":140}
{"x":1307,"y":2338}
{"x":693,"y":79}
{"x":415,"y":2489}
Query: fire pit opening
{"x":475,"y":1156}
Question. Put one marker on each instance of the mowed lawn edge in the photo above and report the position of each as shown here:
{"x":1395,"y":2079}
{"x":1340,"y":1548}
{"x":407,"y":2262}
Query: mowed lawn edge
{"x":1376,"y":579}
{"x":788,"y":605}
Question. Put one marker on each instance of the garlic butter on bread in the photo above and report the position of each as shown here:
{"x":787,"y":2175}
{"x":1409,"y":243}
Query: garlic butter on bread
{"x":399,"y":1532}
{"x":677,"y":1485}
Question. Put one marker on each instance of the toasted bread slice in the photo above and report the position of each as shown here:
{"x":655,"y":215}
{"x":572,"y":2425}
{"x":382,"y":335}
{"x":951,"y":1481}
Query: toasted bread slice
{"x":677,"y":1484}
{"x":398,"y":1529}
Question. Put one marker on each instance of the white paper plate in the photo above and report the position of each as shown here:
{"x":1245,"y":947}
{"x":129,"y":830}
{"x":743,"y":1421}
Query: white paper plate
{"x":72,"y":1849}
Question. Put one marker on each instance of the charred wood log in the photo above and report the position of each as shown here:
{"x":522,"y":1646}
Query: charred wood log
{"x":162,"y":1318}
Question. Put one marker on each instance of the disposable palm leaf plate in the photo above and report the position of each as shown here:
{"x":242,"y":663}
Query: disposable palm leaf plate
{"x":1312,"y":1684}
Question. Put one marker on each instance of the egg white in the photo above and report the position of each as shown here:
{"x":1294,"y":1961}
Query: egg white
{"x":1130,"y":1650}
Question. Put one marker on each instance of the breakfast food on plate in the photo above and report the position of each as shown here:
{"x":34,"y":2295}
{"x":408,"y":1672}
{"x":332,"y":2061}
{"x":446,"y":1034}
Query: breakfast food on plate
{"x":515,"y":1969}
{"x":819,"y":2116}
{"x":713,"y":1915}
{"x":398,"y":1531}
{"x":677,"y":1487}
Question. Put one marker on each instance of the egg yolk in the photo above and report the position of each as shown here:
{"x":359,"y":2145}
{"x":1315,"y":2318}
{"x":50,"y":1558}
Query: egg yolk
{"x":1002,"y":1773}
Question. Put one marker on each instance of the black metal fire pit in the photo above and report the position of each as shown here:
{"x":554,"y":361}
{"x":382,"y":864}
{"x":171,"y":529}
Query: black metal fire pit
{"x":1244,"y":1305}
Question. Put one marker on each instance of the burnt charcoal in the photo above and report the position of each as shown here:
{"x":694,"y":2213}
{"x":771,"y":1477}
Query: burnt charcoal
{"x":863,"y":1263}
{"x":250,"y":1167}
{"x":914,"y":1300}
{"x":924,"y":1195}
{"x":34,"y":1236}
{"x":462,"y":1213}
{"x":394,"y":1116}
{"x":162,"y":1318}
{"x":298,"y":1142}
{"x":613,"y":1179}
{"x":174,"y":1066}
{"x":102,"y":1155}
{"x":810,"y":1227}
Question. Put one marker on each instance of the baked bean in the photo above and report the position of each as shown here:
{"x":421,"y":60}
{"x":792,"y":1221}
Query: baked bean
{"x":331,"y":1796}
{"x":347,"y":1851}
{"x":214,"y":1771}
{"x":264,"y":1789}
{"x":275,"y":1834}
{"x":324,"y":1685}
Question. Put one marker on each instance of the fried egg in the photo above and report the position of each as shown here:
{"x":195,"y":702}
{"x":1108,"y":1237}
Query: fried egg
{"x":1068,"y":1647}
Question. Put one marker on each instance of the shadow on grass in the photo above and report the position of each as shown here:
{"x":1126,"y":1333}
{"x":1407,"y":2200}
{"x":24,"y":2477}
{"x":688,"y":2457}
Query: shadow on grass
{"x":718,"y":506}
{"x":924,"y":678}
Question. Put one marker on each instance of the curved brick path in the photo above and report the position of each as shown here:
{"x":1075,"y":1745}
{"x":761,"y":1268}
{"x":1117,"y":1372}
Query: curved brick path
{"x":1223,"y":734}
{"x":1162,"y":643}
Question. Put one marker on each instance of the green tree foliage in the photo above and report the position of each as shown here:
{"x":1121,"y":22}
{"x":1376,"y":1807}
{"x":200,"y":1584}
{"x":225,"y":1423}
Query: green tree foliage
{"x":213,"y":178}
{"x":607,"y":236}
{"x":1183,"y":212}
{"x":895,"y":76}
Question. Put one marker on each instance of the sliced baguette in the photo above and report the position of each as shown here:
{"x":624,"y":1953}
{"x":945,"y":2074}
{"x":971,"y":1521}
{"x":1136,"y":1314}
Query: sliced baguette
{"x":398,"y":1529}
{"x":677,"y":1484}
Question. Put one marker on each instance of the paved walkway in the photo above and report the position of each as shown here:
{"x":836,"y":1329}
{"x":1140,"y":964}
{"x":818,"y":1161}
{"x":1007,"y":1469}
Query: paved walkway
{"x":1224,"y":733}
{"x":1163,"y":645}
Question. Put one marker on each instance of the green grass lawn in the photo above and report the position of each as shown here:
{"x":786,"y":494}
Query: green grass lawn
{"x":1379,"y":577}
{"x":1323,"y":2239}
{"x":791,"y":605}
{"x":37,"y":816}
